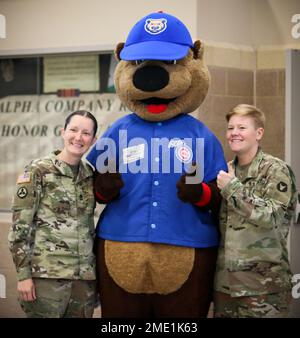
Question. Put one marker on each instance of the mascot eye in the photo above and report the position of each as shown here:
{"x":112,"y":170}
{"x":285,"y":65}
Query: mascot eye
{"x":167,"y":62}
{"x":138,"y":62}
{"x":170,"y":62}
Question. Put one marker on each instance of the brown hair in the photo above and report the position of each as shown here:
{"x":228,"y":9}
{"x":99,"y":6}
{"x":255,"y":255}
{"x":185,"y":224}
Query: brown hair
{"x":84,"y":113}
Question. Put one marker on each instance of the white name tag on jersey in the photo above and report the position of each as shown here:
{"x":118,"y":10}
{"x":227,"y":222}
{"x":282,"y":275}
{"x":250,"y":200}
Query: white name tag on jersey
{"x":134,"y":153}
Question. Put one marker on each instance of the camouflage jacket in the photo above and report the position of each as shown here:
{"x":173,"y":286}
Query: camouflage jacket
{"x":53,"y":221}
{"x":254,"y":223}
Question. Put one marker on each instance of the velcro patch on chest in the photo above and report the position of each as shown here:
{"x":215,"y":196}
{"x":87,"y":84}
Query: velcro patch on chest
{"x":148,"y":267}
{"x":24,"y":178}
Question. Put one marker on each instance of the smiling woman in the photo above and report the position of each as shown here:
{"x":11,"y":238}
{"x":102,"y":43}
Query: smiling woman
{"x":253,"y":277}
{"x":54,"y":197}
{"x":78,"y":135}
{"x":245,"y":130}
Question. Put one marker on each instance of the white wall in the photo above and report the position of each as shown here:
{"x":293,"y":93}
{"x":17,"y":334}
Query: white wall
{"x":81,"y":24}
{"x":37,"y":26}
{"x":247,"y":22}
{"x":226,"y":21}
{"x":271,"y":22}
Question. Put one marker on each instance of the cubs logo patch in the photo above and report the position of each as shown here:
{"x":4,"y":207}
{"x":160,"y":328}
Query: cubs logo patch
{"x":184,"y":153}
{"x":155,"y":26}
{"x":22,"y":192}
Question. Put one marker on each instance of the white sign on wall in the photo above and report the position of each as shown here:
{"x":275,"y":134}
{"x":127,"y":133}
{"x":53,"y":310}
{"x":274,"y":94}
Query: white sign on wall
{"x":71,"y":72}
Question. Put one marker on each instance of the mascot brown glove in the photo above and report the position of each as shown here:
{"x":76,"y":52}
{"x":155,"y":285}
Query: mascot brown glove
{"x":191,"y":193}
{"x":200,"y":194}
{"x":107,"y":186}
{"x":204,"y":195}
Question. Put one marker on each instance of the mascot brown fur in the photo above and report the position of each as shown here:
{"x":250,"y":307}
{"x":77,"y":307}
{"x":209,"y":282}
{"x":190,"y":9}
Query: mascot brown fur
{"x":157,"y":237}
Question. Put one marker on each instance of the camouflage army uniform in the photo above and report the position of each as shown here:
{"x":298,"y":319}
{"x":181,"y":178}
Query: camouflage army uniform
{"x":253,"y":267}
{"x":53,"y":223}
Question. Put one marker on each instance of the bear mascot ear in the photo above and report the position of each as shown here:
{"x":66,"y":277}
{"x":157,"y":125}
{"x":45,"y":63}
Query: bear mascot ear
{"x":198,"y":50}
{"x":118,"y":49}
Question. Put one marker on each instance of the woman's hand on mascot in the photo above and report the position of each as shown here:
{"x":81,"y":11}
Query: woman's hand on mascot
{"x":107,"y":186}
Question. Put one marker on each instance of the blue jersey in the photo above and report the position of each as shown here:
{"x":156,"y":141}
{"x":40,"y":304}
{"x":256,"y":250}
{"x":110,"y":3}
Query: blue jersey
{"x":151,"y":157}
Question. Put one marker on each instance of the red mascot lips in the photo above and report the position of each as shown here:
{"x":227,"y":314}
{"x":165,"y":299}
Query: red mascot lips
{"x":156,"y":105}
{"x":156,"y":108}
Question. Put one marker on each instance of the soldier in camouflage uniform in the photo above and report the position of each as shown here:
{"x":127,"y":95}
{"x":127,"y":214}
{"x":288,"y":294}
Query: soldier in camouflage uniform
{"x":51,"y":238}
{"x":253,"y":276}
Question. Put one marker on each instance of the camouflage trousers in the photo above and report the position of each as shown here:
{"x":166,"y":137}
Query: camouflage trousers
{"x":275,"y":305}
{"x":58,"y":298}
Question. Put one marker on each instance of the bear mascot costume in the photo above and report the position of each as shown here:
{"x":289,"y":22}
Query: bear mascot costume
{"x":156,"y":170}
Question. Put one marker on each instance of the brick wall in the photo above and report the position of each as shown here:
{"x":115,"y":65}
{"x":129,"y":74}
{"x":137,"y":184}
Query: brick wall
{"x":229,"y":87}
{"x":270,"y":98}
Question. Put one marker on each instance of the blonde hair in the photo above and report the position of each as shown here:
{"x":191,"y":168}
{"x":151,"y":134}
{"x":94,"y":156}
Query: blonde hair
{"x":247,"y":110}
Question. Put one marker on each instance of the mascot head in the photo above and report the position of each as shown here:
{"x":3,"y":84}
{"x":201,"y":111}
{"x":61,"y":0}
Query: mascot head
{"x":161,"y":72}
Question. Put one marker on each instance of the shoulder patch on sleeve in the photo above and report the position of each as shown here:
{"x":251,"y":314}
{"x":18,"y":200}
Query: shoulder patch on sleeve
{"x":22,"y":192}
{"x":24,"y":178}
{"x":282,"y":187}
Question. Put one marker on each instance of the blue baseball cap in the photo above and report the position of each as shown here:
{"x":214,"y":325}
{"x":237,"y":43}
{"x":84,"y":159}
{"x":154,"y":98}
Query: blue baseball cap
{"x":158,"y":36}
